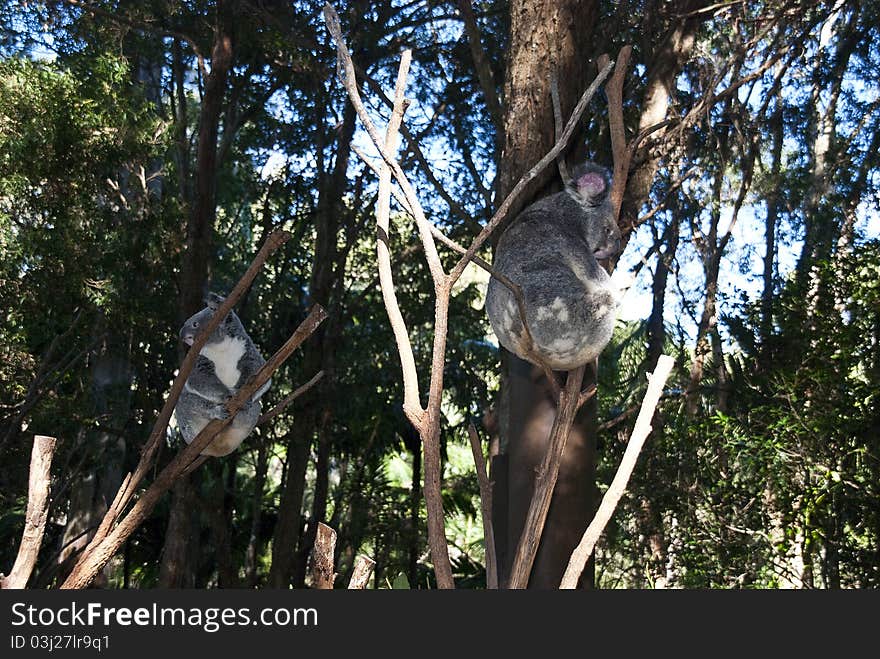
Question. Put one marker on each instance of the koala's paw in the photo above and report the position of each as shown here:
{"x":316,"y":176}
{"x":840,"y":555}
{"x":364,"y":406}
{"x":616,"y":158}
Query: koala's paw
{"x":218,"y":412}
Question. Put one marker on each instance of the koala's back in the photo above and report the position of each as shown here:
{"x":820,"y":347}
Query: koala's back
{"x":569,"y":301}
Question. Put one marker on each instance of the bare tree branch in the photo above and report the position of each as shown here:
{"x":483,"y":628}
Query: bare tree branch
{"x":622,"y":156}
{"x":557,"y":121}
{"x":299,"y":391}
{"x":582,"y":552}
{"x":482,"y":66}
{"x":427,"y":420}
{"x":39,"y":480}
{"x":545,"y":481}
{"x":485,"y":508}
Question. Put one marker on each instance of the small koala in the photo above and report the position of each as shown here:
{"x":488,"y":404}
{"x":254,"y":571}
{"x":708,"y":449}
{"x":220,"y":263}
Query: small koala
{"x":550,"y":250}
{"x":225,"y":363}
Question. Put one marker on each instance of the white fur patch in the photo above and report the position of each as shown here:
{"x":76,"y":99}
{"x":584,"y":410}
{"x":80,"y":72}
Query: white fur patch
{"x":562,"y":346}
{"x":225,"y":356}
{"x":507,"y":318}
{"x":560,"y":310}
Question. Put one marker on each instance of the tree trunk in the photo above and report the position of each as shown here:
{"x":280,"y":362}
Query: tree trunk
{"x":415,"y":504}
{"x":197,"y":255}
{"x":92,"y":494}
{"x":221,"y":500}
{"x":319,"y":500}
{"x":253,"y":547}
{"x":176,"y":567}
{"x":327,"y":269}
{"x":651,"y":517}
{"x":288,"y":529}
{"x":200,"y":222}
{"x":544,"y":38}
{"x":821,"y":216}
{"x":774,"y":206}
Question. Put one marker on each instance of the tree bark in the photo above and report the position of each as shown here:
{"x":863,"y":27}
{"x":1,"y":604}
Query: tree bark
{"x":328,"y":266}
{"x":288,"y":529}
{"x":774,"y":206}
{"x":91,"y":495}
{"x":415,"y":505}
{"x":194,"y":267}
{"x":176,"y":567}
{"x":545,"y":38}
{"x":200,"y":222}
{"x":253,"y":547}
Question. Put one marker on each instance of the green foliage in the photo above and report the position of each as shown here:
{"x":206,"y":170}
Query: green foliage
{"x":773,"y":486}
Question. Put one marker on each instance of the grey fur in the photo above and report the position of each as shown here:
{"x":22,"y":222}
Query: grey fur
{"x":225,"y":363}
{"x":550,"y":251}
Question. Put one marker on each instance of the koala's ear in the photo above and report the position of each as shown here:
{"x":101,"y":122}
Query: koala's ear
{"x":214,"y":301}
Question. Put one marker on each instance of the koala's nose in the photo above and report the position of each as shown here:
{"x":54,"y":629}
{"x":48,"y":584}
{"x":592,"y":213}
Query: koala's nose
{"x":614,"y":245}
{"x":186,"y":336}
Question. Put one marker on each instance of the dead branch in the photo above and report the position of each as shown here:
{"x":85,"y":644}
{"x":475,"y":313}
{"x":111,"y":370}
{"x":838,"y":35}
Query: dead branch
{"x":485,"y":508}
{"x":360,"y":576}
{"x":545,"y":481}
{"x":481,"y":65}
{"x":622,"y":156}
{"x":299,"y":391}
{"x":615,"y":491}
{"x":39,"y":480}
{"x":557,"y":121}
{"x":323,"y":557}
{"x":425,"y":420}
{"x":98,"y":553}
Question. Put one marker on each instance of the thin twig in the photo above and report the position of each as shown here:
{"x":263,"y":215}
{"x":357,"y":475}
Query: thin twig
{"x":485,"y":508}
{"x":642,"y":429}
{"x":299,"y":391}
{"x":557,"y":123}
{"x":482,"y":66}
{"x":39,"y":480}
{"x":622,"y":156}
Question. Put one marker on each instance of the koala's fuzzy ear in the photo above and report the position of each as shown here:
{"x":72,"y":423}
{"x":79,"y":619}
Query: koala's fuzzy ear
{"x":213,"y":300}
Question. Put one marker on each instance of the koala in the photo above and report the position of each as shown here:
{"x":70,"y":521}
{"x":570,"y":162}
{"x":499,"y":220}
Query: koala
{"x":225,"y":363}
{"x":551,"y":251}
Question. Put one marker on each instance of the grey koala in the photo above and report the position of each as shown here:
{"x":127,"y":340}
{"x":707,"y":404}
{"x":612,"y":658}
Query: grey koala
{"x":551,"y":250}
{"x":225,"y":363}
